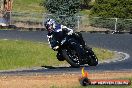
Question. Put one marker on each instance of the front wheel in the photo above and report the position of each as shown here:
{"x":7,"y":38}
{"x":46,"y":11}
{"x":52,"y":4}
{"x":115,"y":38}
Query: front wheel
{"x":60,"y":56}
{"x":73,"y":55}
{"x":72,"y":58}
{"x":93,"y":60}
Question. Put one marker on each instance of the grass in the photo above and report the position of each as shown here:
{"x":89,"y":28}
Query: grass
{"x":103,"y":54}
{"x":31,"y":6}
{"x":96,"y":86}
{"x":27,"y":54}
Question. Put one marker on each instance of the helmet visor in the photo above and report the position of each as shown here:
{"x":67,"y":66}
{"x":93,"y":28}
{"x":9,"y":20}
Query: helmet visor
{"x":48,"y":27}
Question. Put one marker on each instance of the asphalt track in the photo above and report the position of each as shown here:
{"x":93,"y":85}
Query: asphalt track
{"x":116,"y":42}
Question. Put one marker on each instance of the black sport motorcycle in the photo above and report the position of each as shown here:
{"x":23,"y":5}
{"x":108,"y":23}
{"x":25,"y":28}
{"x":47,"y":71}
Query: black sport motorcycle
{"x":74,"y":50}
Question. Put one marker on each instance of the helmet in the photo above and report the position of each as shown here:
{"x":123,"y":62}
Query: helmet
{"x":50,"y":24}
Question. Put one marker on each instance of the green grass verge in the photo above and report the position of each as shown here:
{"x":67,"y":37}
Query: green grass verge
{"x":103,"y":54}
{"x":27,"y":54}
{"x":32,"y":6}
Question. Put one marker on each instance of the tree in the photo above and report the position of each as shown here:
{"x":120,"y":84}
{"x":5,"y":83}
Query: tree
{"x":112,"y":8}
{"x":63,"y":10}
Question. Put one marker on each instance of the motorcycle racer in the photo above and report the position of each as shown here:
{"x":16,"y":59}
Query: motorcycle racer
{"x":57,"y":30}
{"x":70,"y":45}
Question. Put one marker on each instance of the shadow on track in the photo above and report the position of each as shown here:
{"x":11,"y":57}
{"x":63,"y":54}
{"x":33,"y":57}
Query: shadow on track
{"x":52,"y":67}
{"x":43,"y":70}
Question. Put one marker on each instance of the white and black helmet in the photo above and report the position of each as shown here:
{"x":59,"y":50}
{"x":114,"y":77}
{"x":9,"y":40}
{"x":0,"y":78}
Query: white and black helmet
{"x":49,"y":22}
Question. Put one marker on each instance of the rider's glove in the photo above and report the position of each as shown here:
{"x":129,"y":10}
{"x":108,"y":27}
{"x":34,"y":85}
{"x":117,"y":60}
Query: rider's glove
{"x":70,"y":32}
{"x":49,"y":36}
{"x":55,"y":48}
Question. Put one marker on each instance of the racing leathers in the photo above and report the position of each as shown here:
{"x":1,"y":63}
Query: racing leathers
{"x":57,"y":35}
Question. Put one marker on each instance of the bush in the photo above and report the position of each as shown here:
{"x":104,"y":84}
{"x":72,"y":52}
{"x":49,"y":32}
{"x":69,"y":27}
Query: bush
{"x":103,"y":23}
{"x":112,"y":8}
{"x":63,"y":11}
{"x":122,"y":24}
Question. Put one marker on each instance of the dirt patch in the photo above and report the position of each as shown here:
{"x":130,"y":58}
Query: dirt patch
{"x":55,"y":81}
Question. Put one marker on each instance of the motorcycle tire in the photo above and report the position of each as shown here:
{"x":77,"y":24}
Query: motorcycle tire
{"x":60,"y":57}
{"x":73,"y":59}
{"x":93,"y":60}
